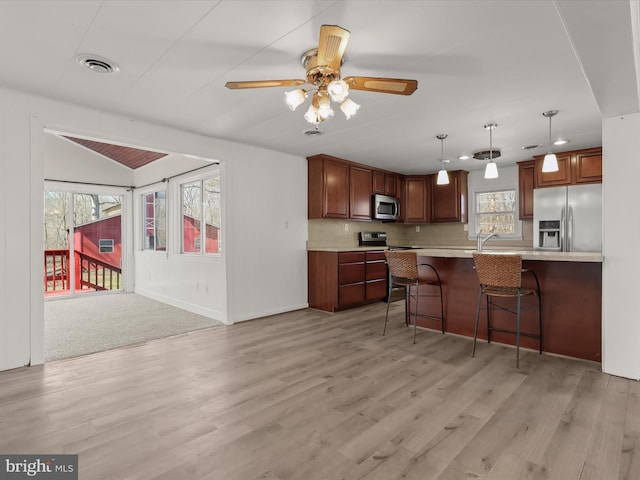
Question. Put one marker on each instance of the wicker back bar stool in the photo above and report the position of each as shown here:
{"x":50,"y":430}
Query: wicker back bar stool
{"x":403,"y":273}
{"x":500,"y":275}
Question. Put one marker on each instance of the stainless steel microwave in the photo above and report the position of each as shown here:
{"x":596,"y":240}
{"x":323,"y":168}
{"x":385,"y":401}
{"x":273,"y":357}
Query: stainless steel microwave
{"x":385,"y":207}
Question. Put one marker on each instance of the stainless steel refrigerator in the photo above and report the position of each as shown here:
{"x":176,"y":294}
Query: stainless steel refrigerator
{"x":568,"y":219}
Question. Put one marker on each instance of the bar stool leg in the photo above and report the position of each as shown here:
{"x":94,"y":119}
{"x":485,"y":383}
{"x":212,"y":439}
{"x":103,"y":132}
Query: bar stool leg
{"x":388,"y":304}
{"x":415,"y":313}
{"x":518,"y":332}
{"x":475,"y":330}
{"x":489,"y":319}
{"x":540,"y":320}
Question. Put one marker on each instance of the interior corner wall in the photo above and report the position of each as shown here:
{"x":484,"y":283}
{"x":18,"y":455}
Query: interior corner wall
{"x":265,"y":207}
{"x":621,"y":227}
{"x":265,"y":195}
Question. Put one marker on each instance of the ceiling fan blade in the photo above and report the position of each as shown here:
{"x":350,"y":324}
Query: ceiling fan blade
{"x":264,"y":84}
{"x":398,"y":86}
{"x":333,"y":42}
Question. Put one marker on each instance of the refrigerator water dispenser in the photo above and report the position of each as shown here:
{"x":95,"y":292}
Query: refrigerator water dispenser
{"x":549,"y":231}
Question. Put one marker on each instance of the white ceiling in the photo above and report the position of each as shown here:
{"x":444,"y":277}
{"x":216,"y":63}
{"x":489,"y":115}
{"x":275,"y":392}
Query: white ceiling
{"x":476,"y":62}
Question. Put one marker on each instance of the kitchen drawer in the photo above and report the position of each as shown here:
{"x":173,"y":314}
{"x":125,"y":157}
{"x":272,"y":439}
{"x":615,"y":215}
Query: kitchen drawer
{"x":376,"y":289}
{"x":376,"y":270}
{"x":374,"y":256}
{"x":351,"y":294}
{"x":351,"y":273}
{"x":351,"y":257}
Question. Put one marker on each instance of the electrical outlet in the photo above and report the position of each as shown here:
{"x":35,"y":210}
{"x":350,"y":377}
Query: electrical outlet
{"x":417,"y":228}
{"x":466,"y":227}
{"x":346,"y":227}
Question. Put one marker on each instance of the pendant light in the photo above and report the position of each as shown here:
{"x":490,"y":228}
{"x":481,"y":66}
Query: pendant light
{"x":443,"y":176}
{"x":491,"y":170}
{"x":550,"y":162}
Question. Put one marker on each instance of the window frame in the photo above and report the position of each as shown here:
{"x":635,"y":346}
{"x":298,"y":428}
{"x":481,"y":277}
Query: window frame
{"x":478,"y":215}
{"x":200,"y":181}
{"x":508,"y":180}
{"x":144,"y":219}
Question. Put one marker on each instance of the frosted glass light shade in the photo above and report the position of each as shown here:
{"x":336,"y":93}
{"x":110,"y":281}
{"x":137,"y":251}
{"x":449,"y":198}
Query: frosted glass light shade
{"x":295,"y":98}
{"x":349,"y":108}
{"x":324,"y":107}
{"x":312,"y":115}
{"x":443,"y":177}
{"x":550,"y":163}
{"x":338,"y":90}
{"x":491,"y":170}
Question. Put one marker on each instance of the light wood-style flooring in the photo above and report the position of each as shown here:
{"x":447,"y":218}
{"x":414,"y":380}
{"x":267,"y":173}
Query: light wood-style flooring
{"x":308,"y":395}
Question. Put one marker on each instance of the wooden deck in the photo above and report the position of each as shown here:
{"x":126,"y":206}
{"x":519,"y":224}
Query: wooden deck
{"x":309,"y":395}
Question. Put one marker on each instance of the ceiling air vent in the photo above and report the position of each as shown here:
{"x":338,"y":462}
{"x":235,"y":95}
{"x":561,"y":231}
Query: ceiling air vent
{"x":312,"y":133}
{"x":97,"y":64}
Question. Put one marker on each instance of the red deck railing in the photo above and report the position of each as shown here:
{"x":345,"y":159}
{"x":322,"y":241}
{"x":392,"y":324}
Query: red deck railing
{"x":56,"y":270}
{"x":90,"y":272}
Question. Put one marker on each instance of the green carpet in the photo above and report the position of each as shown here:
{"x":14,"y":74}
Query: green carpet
{"x":82,"y":325}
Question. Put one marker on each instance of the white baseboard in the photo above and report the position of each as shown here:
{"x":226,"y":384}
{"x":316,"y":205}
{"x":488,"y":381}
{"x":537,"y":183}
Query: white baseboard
{"x":267,"y":313}
{"x":190,"y":307}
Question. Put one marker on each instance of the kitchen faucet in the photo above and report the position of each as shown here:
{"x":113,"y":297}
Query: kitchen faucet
{"x":482,"y":241}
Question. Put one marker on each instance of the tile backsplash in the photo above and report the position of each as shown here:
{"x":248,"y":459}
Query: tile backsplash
{"x":344,"y":233}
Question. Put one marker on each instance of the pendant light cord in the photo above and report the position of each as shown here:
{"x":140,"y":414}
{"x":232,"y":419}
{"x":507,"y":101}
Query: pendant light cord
{"x":490,"y":143}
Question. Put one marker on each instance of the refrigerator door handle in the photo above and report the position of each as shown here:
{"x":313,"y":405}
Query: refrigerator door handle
{"x":570,"y":229}
{"x":562,"y":230}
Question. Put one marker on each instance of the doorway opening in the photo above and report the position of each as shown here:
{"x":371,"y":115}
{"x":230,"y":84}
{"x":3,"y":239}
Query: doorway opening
{"x":82,"y":242}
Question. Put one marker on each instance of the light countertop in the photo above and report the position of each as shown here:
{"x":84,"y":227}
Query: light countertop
{"x":466,"y":252}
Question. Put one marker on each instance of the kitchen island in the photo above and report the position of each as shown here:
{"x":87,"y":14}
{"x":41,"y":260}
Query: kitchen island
{"x":570,"y":283}
{"x":571,"y":291}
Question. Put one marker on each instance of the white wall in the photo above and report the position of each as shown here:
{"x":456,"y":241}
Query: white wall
{"x":621,"y":246}
{"x":254,"y":244}
{"x":192,"y":282}
{"x":267,"y":229}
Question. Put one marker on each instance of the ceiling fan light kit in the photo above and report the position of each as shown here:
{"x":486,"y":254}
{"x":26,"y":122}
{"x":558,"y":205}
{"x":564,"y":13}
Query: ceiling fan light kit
{"x":322,"y":66}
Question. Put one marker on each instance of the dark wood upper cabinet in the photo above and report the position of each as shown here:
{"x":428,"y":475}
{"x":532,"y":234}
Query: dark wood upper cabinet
{"x":392,"y":184}
{"x":328,"y":187}
{"x":449,"y":202}
{"x":378,"y":182}
{"x":417,"y":199}
{"x":360,"y":193}
{"x":526,"y":182}
{"x":575,"y":167}
{"x":386,"y":183}
{"x":554,"y":179}
{"x":587,"y":167}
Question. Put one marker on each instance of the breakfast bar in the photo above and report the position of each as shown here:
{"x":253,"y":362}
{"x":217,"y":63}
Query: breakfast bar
{"x":570,"y":283}
{"x":571,"y":291}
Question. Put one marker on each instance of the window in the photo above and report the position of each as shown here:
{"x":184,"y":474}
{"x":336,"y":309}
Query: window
{"x":154,"y":214}
{"x":105,"y":245}
{"x":496,"y":212}
{"x":201,"y":215}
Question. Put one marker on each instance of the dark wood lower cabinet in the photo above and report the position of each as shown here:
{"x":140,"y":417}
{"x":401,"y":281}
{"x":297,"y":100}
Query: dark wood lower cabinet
{"x":340,"y":280}
{"x":571,"y":306}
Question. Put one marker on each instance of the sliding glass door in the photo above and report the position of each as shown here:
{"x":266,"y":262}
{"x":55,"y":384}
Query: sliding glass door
{"x":83,"y":242}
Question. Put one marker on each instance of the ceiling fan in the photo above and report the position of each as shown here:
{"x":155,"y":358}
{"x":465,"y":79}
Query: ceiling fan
{"x":322,"y":67}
